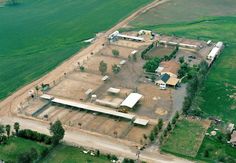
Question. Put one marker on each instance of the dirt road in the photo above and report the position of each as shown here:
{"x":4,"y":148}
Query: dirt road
{"x":107,"y":144}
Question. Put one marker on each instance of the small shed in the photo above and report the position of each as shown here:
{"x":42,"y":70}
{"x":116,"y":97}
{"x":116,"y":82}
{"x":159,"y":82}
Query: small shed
{"x":140,"y":121}
{"x":104,"y":78}
{"x":113,"y":90}
{"x":131,"y":100}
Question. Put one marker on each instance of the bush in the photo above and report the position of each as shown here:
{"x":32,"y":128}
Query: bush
{"x":127,"y":160}
{"x":152,"y":64}
{"x":35,"y":136}
{"x":115,"y":53}
{"x":144,"y":52}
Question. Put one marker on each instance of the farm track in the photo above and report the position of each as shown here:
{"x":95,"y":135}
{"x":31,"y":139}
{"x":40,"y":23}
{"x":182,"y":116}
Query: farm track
{"x":8,"y":107}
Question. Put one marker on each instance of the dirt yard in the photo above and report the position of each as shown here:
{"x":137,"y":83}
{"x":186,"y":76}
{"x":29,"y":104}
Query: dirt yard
{"x":156,"y":102}
{"x":93,"y":63}
{"x":75,"y":86}
{"x":160,"y":51}
{"x":136,"y":134}
{"x":124,"y":52}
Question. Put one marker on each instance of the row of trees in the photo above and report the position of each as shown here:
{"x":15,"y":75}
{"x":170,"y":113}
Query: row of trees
{"x":103,"y":68}
{"x":154,"y":133}
{"x":171,"y":125}
{"x":5,"y":132}
{"x":190,"y":105}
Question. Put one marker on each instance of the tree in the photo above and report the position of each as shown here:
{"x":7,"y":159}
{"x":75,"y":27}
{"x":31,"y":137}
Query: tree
{"x":82,"y":68}
{"x":103,"y":67}
{"x":160,"y":124}
{"x":2,"y":130}
{"x":169,"y":126}
{"x":8,"y":130}
{"x":181,"y":60}
{"x":16,"y":127}
{"x":115,"y":53}
{"x":152,"y":136}
{"x":177,"y":115}
{"x":165,"y":133}
{"x":173,"y":121}
{"x":115,"y":69}
{"x":57,"y":131}
{"x":152,"y":64}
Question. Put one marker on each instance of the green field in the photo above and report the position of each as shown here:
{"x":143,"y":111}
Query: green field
{"x":36,"y":36}
{"x":16,"y":146}
{"x":186,"y":138}
{"x":185,"y":11}
{"x":185,"y":142}
{"x":219,"y":92}
{"x":216,"y":150}
{"x":68,"y":154}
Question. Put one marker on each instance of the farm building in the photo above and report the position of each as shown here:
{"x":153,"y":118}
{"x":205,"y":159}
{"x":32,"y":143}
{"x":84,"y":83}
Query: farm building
{"x":167,"y":80}
{"x":116,"y":35}
{"x":131,"y":100}
{"x":168,"y":67}
{"x":233,"y":139}
{"x":145,"y":32}
{"x":215,"y":51}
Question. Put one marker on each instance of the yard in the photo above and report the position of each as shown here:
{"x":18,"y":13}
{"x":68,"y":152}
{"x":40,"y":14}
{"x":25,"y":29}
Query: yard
{"x":16,"y":146}
{"x":186,"y":138}
{"x":69,"y":154}
{"x":50,"y":32}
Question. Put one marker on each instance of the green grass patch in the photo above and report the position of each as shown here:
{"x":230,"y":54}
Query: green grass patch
{"x":216,"y":150}
{"x":15,"y":146}
{"x":186,"y":138}
{"x":69,"y":154}
{"x":36,"y":36}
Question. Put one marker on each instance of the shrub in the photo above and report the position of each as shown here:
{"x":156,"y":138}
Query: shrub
{"x":115,"y":53}
{"x":35,"y":136}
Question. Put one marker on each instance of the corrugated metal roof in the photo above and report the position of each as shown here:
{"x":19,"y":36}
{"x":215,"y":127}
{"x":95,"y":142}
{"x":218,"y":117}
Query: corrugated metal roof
{"x":131,"y":100}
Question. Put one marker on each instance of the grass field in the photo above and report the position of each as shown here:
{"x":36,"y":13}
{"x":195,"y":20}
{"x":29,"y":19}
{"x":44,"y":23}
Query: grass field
{"x":68,"y":154}
{"x":185,"y":11}
{"x":216,"y":150}
{"x":219,"y":92}
{"x":36,"y":36}
{"x":186,"y":138}
{"x":186,"y":141}
{"x":16,"y":146}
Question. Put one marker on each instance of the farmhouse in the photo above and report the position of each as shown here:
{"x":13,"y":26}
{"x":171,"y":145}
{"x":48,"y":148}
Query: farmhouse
{"x":168,"y":67}
{"x":165,"y":80}
{"x":233,"y":139}
{"x":131,"y":100}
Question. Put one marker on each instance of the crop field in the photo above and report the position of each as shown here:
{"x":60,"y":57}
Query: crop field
{"x":36,"y":36}
{"x":16,"y":146}
{"x":218,"y":97}
{"x":185,"y":11}
{"x":186,"y":138}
